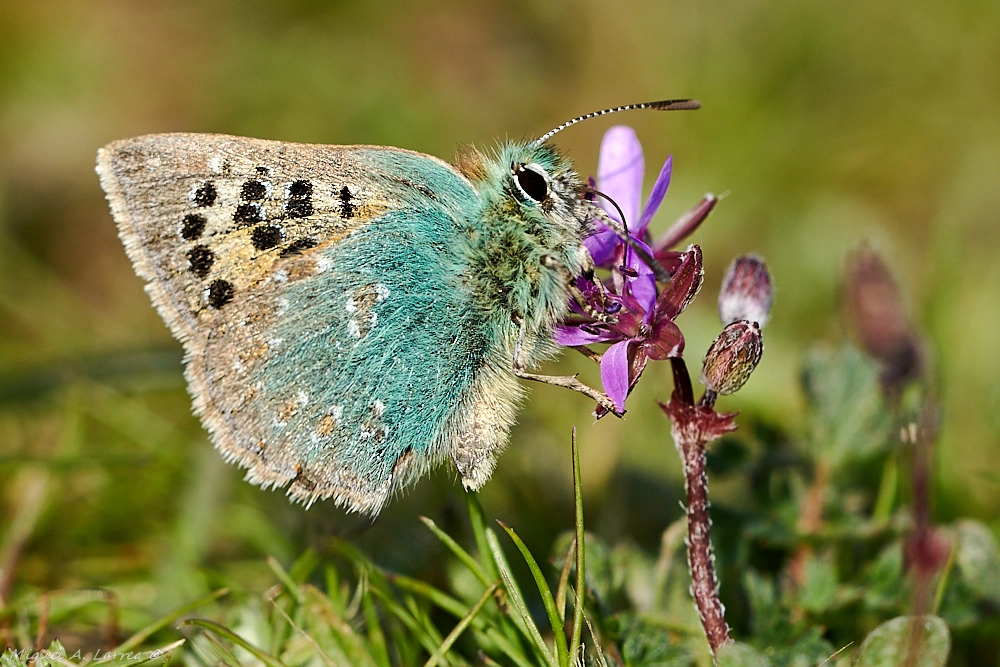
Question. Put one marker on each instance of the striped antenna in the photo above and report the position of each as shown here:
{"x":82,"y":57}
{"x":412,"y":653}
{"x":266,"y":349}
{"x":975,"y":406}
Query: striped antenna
{"x":662,"y":105}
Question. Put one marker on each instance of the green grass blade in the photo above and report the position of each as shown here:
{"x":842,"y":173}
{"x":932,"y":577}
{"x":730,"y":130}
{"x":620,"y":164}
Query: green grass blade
{"x":226,"y":633}
{"x":285,"y":579}
{"x":558,"y":631}
{"x":517,"y":600}
{"x":412,"y":624}
{"x":459,"y":610}
{"x":459,"y":552}
{"x":309,"y":638}
{"x":459,"y":628}
{"x":420,"y":615}
{"x":215,"y":649}
{"x":943,"y":577}
{"x":338,"y":636}
{"x":601,"y":660}
{"x":887,"y":489}
{"x":435,"y":595}
{"x":304,"y":566}
{"x":510,"y":649}
{"x":376,"y":638}
{"x":154,"y":627}
{"x":564,"y":579}
{"x":479,"y":532}
{"x":581,"y":550}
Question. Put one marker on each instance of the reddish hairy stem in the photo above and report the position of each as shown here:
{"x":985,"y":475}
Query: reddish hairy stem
{"x":693,"y":428}
{"x":701,"y":560}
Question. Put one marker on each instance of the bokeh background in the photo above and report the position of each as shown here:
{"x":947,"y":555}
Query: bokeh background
{"x":826,"y":123}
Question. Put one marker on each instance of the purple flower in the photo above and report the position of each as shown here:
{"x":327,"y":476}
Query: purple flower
{"x":642,"y":324}
{"x":644,"y":328}
{"x":620,"y":170}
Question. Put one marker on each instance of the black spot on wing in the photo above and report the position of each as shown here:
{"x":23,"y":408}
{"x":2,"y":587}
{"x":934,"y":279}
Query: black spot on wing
{"x":220,"y":293}
{"x":205,"y":195}
{"x":299,"y":202}
{"x":193,"y":226}
{"x":296,"y":208}
{"x":266,"y":237}
{"x":201,"y":260}
{"x":247,"y":214}
{"x":253,"y":190}
{"x":297,"y":246}
{"x":301,"y":188}
{"x":346,"y":207}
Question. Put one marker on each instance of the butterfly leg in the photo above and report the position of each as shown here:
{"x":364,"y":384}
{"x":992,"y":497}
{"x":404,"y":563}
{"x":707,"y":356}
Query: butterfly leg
{"x":579,"y":297}
{"x":567,"y":381}
{"x":590,"y":354}
{"x":587,"y":271}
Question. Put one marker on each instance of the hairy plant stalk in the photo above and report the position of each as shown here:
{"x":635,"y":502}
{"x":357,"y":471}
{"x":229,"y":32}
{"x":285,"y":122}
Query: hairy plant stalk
{"x":693,"y":428}
{"x":701,"y":559}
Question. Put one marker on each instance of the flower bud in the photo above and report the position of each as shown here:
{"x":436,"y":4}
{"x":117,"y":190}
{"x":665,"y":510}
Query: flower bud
{"x":876,"y":305}
{"x":746,"y":292}
{"x":732,"y":357}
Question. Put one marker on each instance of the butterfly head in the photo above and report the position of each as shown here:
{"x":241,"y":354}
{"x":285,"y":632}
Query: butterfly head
{"x":534,"y":184}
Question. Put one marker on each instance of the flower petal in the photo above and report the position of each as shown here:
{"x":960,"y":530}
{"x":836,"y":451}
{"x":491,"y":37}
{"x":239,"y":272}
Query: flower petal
{"x":685,"y":225}
{"x":655,"y":197}
{"x":619,"y":172}
{"x":573,"y":336}
{"x":602,"y":245}
{"x":643,"y":285}
{"x":614,"y":373}
{"x":665,"y":341}
{"x":684,"y":285}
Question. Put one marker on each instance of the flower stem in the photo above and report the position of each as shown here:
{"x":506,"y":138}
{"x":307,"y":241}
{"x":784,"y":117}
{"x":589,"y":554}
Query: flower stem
{"x":701,"y":560}
{"x":693,"y":428}
{"x":682,"y":380}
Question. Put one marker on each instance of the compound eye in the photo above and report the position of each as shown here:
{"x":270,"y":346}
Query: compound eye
{"x":532,"y":182}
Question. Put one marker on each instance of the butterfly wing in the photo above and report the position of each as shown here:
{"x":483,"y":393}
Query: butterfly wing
{"x":320,"y":293}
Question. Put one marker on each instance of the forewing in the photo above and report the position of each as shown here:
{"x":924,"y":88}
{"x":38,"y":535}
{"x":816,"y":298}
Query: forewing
{"x":318,"y":292}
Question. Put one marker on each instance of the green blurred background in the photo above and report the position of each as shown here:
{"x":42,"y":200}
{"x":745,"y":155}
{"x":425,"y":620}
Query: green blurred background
{"x":827,"y":124}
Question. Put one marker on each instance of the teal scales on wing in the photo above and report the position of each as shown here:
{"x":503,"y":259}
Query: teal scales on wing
{"x":349,"y":314}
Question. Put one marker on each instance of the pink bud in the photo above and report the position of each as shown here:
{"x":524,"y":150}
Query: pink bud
{"x":746,"y":292}
{"x":732,"y":357}
{"x":879,"y":313}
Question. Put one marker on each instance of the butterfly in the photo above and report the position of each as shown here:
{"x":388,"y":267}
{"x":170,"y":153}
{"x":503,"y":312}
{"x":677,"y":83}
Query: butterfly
{"x":352,"y":316}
